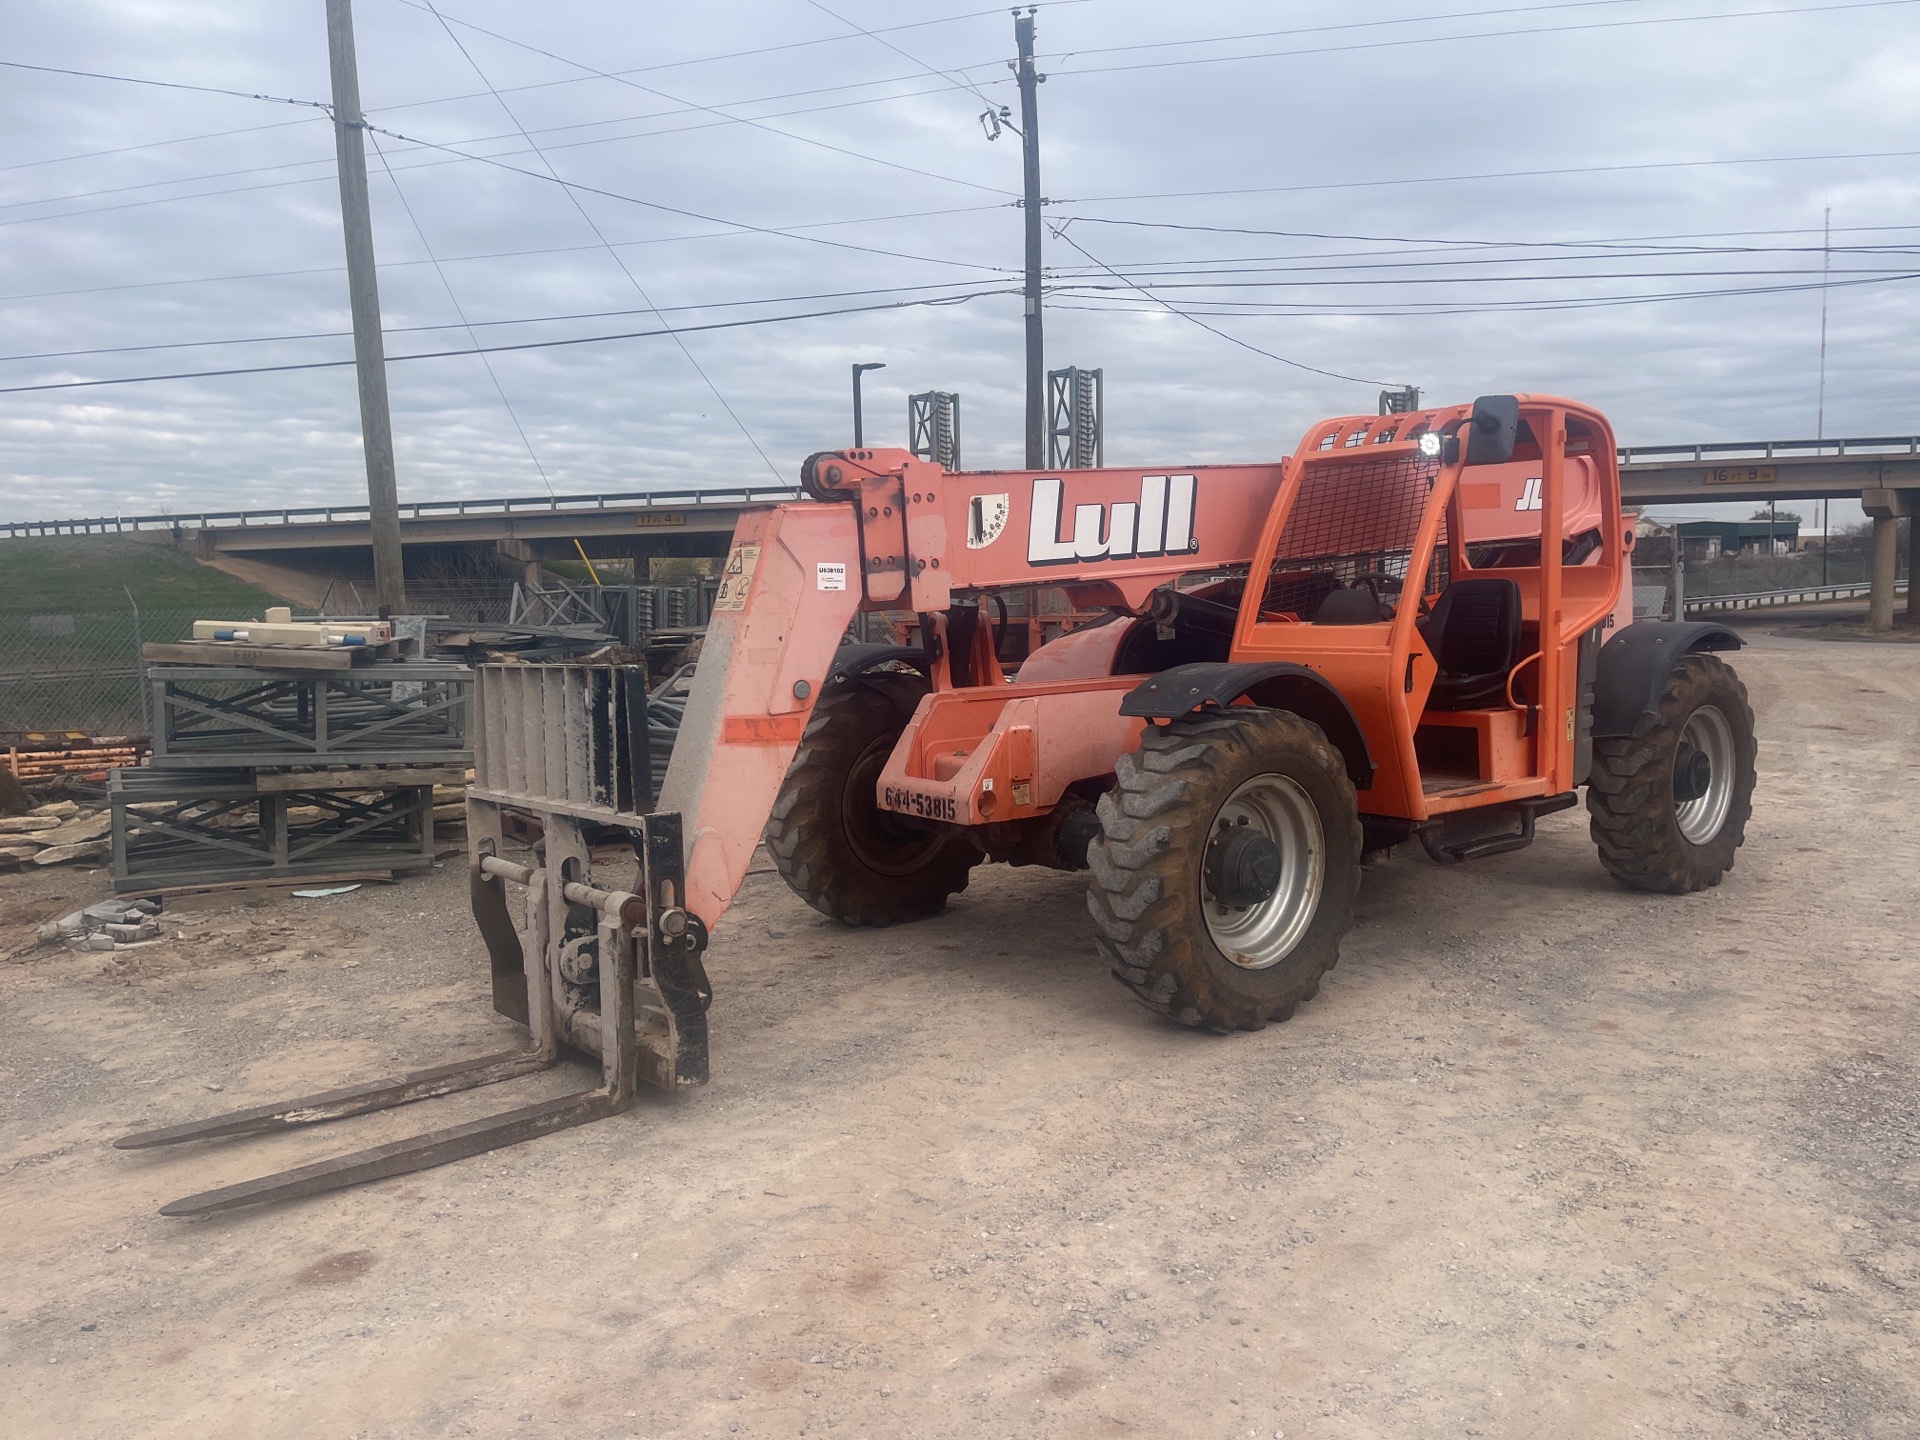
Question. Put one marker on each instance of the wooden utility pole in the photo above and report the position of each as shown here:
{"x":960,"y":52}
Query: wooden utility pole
{"x":369,"y":350}
{"x":1030,"y":145}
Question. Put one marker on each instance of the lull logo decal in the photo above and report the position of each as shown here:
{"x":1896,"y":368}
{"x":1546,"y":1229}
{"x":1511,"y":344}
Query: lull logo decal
{"x":986,"y":518}
{"x":1159,"y":523}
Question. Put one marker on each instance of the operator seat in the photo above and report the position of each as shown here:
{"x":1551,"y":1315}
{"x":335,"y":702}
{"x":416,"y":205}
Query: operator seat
{"x":1298,"y":592}
{"x":1474,"y":633}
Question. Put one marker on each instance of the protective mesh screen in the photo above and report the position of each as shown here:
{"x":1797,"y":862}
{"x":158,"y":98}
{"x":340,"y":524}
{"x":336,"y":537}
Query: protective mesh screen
{"x":1355,"y":518}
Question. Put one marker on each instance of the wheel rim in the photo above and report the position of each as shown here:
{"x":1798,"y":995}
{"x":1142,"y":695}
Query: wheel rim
{"x":884,"y":843}
{"x":1257,"y":936}
{"x":1708,"y":732}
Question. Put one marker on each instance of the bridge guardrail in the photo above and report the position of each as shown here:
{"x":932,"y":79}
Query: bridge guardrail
{"x":1630,"y":455}
{"x":1770,"y":449}
{"x":1807,"y":595}
{"x":411,"y":510}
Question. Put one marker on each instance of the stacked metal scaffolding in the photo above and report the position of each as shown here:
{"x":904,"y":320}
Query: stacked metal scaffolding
{"x":260,"y":774}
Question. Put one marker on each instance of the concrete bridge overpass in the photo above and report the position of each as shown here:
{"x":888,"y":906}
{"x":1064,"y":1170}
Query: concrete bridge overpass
{"x":1882,"y":472}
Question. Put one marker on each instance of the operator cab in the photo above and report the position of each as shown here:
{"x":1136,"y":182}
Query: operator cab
{"x":1404,"y":562}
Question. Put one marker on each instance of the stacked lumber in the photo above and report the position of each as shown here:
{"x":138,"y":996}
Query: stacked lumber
{"x":36,"y":757}
{"x":279,"y":641}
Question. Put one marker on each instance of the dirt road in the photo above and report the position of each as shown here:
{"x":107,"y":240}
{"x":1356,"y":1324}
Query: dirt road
{"x":1545,"y":1158}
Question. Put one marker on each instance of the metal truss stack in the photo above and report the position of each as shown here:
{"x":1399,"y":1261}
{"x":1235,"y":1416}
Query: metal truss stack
{"x":262,"y":774}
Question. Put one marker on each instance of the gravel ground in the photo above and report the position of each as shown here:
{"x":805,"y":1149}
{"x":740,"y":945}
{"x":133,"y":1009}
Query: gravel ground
{"x":1545,"y":1158}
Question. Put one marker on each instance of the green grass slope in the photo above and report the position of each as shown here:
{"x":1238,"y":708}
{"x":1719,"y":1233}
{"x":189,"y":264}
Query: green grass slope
{"x":93,"y":573}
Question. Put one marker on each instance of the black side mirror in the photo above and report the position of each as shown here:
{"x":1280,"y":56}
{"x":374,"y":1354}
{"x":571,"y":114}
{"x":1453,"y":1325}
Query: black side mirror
{"x":1492,"y":431}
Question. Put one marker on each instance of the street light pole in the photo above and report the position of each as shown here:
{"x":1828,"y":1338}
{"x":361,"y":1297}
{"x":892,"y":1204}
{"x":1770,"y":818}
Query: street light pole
{"x":859,"y":429}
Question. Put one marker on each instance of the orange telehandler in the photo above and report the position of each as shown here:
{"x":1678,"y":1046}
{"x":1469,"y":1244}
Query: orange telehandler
{"x":1417,"y":627}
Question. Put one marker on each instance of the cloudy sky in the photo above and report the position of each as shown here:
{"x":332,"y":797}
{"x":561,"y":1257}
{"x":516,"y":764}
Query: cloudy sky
{"x":1469,"y":198}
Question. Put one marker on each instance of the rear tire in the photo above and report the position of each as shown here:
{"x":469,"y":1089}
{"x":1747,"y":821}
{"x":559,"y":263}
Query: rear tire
{"x":1181,"y":949}
{"x":830,"y":841}
{"x":1648,"y":838}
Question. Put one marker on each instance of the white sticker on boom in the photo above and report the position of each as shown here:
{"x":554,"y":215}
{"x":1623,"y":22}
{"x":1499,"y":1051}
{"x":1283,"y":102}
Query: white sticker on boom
{"x":831,"y":575}
{"x":737,"y":578}
{"x":986,"y":518}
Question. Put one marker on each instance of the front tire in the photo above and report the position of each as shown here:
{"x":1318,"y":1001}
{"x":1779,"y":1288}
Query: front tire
{"x":1203,"y":929}
{"x":1670,"y":806}
{"x":830,"y":840}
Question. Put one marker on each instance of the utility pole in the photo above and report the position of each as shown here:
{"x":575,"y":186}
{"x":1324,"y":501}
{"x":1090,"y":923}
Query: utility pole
{"x":1030,"y":147}
{"x":1820,"y":413}
{"x":369,"y":350}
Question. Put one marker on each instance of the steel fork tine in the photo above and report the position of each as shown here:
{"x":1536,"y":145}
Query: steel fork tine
{"x":348,"y":1100}
{"x":401,"y":1157}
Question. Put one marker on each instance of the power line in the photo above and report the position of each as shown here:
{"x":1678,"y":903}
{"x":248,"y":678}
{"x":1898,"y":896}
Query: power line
{"x":476,"y":140}
{"x":1493,"y":175}
{"x":460,"y":157}
{"x":957,"y":79}
{"x":1060,"y":233}
{"x":738,"y":226}
{"x":732,"y":55}
{"x":156,"y":144}
{"x":512,"y":89}
{"x":707,"y":109}
{"x":165,"y":84}
{"x":177,"y":180}
{"x":1617,"y":242}
{"x":944,"y":76}
{"x":1170,"y":280}
{"x":504,"y":349}
{"x":1394,"y":272}
{"x":496,"y":254}
{"x":1062,"y":285}
{"x":1404,"y":309}
{"x":875,"y":220}
{"x":614,"y":254}
{"x":572,"y":186}
{"x":1343,"y":25}
{"x":1489,"y":35}
{"x":460,"y":310}
{"x":492,"y":324}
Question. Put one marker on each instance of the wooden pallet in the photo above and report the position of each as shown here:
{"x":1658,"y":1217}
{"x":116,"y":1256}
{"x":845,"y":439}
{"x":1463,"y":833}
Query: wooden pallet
{"x":267,"y":657}
{"x":359,"y":777}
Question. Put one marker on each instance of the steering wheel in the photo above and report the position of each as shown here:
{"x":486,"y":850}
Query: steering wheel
{"x":1385,"y":590}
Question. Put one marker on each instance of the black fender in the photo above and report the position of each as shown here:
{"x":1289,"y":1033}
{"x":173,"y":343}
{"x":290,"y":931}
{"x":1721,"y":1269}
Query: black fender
{"x":1276,"y":685}
{"x":852,"y":660}
{"x":860,"y":665}
{"x":1633,"y":669}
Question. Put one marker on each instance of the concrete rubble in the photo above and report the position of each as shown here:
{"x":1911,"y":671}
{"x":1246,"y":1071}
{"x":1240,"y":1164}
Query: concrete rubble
{"x":55,"y":834}
{"x":109,"y":925}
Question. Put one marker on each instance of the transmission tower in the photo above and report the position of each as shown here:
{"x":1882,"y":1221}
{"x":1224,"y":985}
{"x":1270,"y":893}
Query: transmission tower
{"x":933,"y":427}
{"x":1076,"y":416}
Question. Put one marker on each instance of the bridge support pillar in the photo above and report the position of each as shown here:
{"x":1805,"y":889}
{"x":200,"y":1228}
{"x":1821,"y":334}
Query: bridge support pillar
{"x":1913,"y":563}
{"x":1886,"y":507}
{"x":523,"y":552}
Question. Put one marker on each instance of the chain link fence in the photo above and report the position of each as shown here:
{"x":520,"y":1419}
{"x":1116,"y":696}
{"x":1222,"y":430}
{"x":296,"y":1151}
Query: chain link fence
{"x":80,"y":670}
{"x":1846,"y":562}
{"x":471,"y":601}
